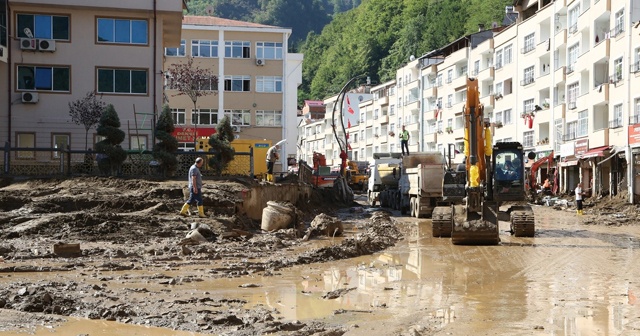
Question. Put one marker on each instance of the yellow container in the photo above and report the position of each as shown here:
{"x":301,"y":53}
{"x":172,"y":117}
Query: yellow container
{"x":241,"y":164}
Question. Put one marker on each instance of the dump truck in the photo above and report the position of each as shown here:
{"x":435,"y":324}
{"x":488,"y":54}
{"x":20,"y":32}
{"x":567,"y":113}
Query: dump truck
{"x":420,"y":183}
{"x":384,"y":174}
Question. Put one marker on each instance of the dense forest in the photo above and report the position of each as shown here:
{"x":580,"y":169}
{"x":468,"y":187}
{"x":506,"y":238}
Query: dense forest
{"x":346,"y":38}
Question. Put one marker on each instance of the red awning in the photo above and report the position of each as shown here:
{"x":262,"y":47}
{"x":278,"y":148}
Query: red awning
{"x":595,"y":152}
{"x":568,"y":163}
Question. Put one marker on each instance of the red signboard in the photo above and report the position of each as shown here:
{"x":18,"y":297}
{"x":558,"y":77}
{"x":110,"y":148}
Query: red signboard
{"x":188,"y":134}
{"x":634,"y":134}
{"x":582,"y":146}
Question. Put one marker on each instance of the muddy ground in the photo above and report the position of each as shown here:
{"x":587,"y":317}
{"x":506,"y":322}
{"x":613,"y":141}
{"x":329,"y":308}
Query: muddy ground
{"x":133,"y":225}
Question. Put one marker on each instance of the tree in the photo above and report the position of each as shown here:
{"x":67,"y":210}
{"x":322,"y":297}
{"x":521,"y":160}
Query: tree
{"x":109,"y":127}
{"x":220,"y":143}
{"x":87,"y":112}
{"x":165,"y":150}
{"x":194,"y":82}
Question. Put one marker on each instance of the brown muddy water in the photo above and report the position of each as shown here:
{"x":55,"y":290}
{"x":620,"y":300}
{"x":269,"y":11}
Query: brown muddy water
{"x":570,"y":279}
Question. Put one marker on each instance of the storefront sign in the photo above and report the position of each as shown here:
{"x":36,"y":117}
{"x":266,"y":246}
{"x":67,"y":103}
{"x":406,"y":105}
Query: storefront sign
{"x":634,"y":134}
{"x":188,"y":134}
{"x":582,"y":146}
{"x":567,"y":149}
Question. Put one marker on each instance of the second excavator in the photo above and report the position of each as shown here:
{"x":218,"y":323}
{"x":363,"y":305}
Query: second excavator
{"x":492,"y":175}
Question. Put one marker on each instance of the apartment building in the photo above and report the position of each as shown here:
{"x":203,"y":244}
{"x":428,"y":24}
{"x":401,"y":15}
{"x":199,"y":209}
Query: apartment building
{"x":555,"y":76}
{"x":257,"y":82}
{"x":53,"y":54}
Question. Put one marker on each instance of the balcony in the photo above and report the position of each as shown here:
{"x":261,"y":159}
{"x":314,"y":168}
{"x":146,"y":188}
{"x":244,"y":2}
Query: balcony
{"x":599,"y":138}
{"x":369,"y":121}
{"x":431,"y":92}
{"x":527,"y":81}
{"x":561,"y":38}
{"x":601,"y":6}
{"x":600,"y":94}
{"x":381,"y":138}
{"x":459,"y":81}
{"x":488,"y":100}
{"x":600,"y":51}
{"x":413,"y":127}
{"x":430,"y":70}
{"x":431,"y":114}
{"x":384,"y":119}
{"x":560,"y":110}
{"x":382,"y":101}
{"x":431,"y":138}
{"x":412,"y":105}
{"x":487,"y":74}
{"x":560,"y":75}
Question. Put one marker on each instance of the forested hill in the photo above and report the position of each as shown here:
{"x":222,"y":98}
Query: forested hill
{"x":379,"y":36}
{"x":302,"y":16}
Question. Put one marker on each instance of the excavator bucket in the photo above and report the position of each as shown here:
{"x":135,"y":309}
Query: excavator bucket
{"x":473,"y":228}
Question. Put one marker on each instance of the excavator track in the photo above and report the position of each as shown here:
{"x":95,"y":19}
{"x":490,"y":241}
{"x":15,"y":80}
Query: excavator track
{"x":441,"y":221}
{"x":523,"y":223}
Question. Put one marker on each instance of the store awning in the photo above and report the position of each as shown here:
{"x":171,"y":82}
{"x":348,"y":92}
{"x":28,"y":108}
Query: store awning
{"x":568,"y":163}
{"x":618,"y":150}
{"x":595,"y":152}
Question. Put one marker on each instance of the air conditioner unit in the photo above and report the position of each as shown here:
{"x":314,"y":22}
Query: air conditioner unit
{"x":236,"y":129}
{"x":29,"y":97}
{"x":47,"y":45}
{"x":28,"y":44}
{"x":260,"y":61}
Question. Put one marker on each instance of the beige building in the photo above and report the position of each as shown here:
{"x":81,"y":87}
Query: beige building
{"x":54,"y":54}
{"x":257,"y":86}
{"x":555,"y":76}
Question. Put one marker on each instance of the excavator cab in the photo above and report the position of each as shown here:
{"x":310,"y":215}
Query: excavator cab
{"x":508,"y":172}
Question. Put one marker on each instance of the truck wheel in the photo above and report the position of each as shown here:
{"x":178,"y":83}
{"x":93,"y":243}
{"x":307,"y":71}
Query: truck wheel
{"x":417,"y":206}
{"x":412,"y":206}
{"x":372,"y":200}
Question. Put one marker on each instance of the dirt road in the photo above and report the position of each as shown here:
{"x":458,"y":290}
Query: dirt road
{"x":577,"y":276}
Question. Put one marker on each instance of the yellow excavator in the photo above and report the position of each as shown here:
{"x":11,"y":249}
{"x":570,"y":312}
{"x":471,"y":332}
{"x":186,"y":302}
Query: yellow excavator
{"x":492,"y":175}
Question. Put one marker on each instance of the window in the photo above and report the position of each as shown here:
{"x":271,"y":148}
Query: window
{"x":619,"y":28}
{"x":572,"y":95}
{"x":439,"y":80}
{"x":431,"y":126}
{"x":362,"y":116}
{"x":463,"y":70}
{"x":268,"y":118}
{"x":527,"y":139}
{"x":205,"y":117}
{"x":239,"y":117}
{"x":268,"y":83}
{"x":51,"y":27}
{"x":449,"y":76}
{"x":450,"y":100}
{"x":392,"y":110}
{"x":529,"y":43}
{"x":574,"y":13}
{"x":376,"y":113}
{"x":355,"y":137}
{"x":528,"y":76}
{"x":179,"y":116}
{"x":237,"y":83}
{"x":450,"y":123}
{"x":636,"y":62}
{"x":476,"y":68}
{"x":181,"y":51}
{"x":527,"y":105}
{"x":498,"y":117}
{"x":459,"y":122}
{"x":207,"y":84}
{"x":269,"y":50}
{"x":617,"y":70}
{"x":499,"y":88}
{"x":59,"y":141}
{"x":507,"y":117}
{"x":122,"y":31}
{"x":237,"y":49}
{"x":122,"y":81}
{"x":508,"y":54}
{"x":26,"y":140}
{"x":499,"y":59}
{"x":583,"y":124}
{"x":204,"y":48}
{"x":138,"y":142}
{"x":617,"y":117}
{"x":573,"y":57}
{"x":186,"y":146}
{"x":43,"y":78}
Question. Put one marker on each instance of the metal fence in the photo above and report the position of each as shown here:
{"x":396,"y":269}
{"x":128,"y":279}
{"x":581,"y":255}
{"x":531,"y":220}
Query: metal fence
{"x":18,"y":161}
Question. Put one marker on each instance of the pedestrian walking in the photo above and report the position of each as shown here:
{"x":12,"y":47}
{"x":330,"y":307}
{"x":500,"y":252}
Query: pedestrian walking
{"x":579,"y":194}
{"x":195,"y":189}
{"x":272,"y":157}
{"x":404,"y":141}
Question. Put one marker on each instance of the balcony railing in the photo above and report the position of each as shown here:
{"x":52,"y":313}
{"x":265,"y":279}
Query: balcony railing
{"x":569,"y":136}
{"x":615,"y":78}
{"x":528,"y":48}
{"x":572,"y":105}
{"x":527,"y":81}
{"x":573,"y":28}
{"x":634,"y":119}
{"x":570,"y":68}
{"x":635,"y":67}
{"x":615,"y":123}
{"x":617,"y":30}
{"x":498,"y":65}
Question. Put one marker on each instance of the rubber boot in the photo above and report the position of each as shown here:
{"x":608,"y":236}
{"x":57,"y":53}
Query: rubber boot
{"x":581,"y":212}
{"x":269,"y":177}
{"x":185,"y":210}
{"x":201,"y":211}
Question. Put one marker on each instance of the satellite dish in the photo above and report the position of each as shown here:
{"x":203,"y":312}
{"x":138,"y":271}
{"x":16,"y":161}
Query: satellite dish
{"x":209,"y":10}
{"x":412,"y":58}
